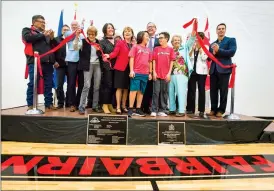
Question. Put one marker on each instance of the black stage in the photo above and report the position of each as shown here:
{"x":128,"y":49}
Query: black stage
{"x":64,"y":127}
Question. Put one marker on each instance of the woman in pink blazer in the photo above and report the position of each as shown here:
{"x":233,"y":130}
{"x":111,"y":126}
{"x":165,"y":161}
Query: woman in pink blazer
{"x":121,"y":68}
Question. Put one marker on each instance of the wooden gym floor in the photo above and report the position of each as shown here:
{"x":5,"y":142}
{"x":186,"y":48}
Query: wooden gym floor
{"x":16,"y":148}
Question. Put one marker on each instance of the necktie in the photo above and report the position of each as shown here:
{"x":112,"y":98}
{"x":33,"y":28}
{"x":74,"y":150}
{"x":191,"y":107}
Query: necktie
{"x":150,"y":46}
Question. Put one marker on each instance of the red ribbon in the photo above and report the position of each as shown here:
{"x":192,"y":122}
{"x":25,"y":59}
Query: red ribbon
{"x":62,"y":43}
{"x":69,"y":38}
{"x":211,"y":56}
{"x":98,"y":47}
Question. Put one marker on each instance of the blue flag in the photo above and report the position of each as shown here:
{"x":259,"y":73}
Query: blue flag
{"x":59,"y":33}
{"x":61,"y":23}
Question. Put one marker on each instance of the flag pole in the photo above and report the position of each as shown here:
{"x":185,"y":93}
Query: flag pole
{"x":232,"y":115}
{"x":75,"y":10}
{"x":35,"y":111}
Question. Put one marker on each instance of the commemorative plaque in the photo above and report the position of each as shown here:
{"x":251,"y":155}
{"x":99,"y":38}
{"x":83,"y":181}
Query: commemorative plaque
{"x":107,"y":129}
{"x":171,"y":132}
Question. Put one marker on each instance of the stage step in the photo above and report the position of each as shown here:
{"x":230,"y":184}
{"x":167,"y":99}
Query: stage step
{"x":141,"y":131}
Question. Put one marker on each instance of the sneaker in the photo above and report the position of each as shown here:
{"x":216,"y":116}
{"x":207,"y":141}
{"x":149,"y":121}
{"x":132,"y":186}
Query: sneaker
{"x":97,"y":110}
{"x":162,"y":114}
{"x":130,"y":112}
{"x":147,"y":111}
{"x":153,"y":114}
{"x":201,"y":114}
{"x":82,"y":110}
{"x":139,"y":112}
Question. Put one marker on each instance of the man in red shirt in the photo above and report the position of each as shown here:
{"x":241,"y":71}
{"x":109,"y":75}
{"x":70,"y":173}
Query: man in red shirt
{"x":163,"y":57}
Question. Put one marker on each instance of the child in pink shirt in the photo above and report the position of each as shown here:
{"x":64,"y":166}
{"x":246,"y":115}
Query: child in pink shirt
{"x":163,"y":57}
{"x":140,"y":72}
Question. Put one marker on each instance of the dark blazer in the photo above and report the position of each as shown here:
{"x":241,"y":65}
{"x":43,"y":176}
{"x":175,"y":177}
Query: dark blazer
{"x":156,"y":42}
{"x":227,"y":49}
{"x":121,"y":51}
{"x":107,"y":48}
{"x":37,"y":41}
{"x":60,"y":54}
{"x":85,"y":51}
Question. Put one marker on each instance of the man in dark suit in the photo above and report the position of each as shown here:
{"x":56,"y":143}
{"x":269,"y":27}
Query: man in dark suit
{"x":61,"y":68}
{"x":224,"y":48}
{"x":153,"y":42}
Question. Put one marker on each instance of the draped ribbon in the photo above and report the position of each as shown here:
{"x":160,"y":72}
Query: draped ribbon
{"x":210,"y":55}
{"x":97,"y":47}
{"x":62,"y":43}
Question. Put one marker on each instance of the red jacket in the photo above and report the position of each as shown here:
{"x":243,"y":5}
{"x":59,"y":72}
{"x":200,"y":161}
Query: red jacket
{"x":120,"y":51}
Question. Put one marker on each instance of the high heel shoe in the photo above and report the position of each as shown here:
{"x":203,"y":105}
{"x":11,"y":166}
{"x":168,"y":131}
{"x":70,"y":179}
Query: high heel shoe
{"x":118,"y":111}
{"x":124,"y":110}
{"x":111,"y":109}
{"x":105,"y":109}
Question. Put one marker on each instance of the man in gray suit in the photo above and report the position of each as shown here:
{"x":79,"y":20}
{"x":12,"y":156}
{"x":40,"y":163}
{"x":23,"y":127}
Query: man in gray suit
{"x":153,"y":42}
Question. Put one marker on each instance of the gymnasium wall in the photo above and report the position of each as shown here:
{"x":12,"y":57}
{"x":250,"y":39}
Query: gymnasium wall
{"x":251,"y":23}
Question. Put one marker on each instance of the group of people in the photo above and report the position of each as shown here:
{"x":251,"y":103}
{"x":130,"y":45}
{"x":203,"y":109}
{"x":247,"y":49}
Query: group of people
{"x":135,"y":75}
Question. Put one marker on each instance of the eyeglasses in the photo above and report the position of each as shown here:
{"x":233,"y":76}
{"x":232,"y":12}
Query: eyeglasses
{"x":43,"y":22}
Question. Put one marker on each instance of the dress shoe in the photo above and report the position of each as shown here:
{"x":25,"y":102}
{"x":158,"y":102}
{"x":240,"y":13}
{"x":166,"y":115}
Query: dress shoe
{"x":189,"y":112}
{"x":211,"y":113}
{"x":50,"y":108}
{"x":60,"y":106}
{"x":219,"y":114}
{"x":72,"y":109}
{"x":30,"y":107}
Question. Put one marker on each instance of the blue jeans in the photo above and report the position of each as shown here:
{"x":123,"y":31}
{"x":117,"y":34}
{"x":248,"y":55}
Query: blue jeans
{"x":47,"y":70}
{"x":178,"y":87}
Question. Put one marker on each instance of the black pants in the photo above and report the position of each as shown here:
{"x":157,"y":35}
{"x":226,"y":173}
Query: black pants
{"x":191,"y":93}
{"x":218,"y":82}
{"x":61,"y":73}
{"x":107,"y":90}
{"x":147,"y":96}
{"x":73,"y":73}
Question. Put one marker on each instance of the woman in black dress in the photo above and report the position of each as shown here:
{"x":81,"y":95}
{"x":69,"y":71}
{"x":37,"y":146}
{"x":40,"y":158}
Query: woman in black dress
{"x":107,"y":89}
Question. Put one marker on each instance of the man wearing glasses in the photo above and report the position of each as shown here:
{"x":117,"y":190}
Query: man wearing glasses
{"x":36,"y":38}
{"x":153,"y":42}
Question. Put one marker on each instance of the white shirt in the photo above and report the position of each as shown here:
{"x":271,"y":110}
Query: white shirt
{"x":201,"y":65}
{"x":93,"y":56}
